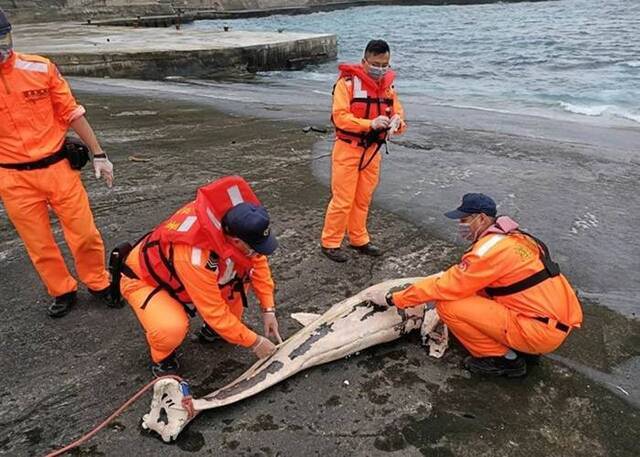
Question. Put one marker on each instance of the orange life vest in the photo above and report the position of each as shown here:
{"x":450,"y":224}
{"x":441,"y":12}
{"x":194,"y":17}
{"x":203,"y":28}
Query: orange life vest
{"x":369,"y":99}
{"x":506,"y":226}
{"x":197,"y":224}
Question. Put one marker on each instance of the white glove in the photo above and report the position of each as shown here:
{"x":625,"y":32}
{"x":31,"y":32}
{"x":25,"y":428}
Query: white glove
{"x":376,"y":295}
{"x":271,"y":325}
{"x":394,"y":124}
{"x":103,"y":168}
{"x":380,"y":123}
{"x":263,"y":348}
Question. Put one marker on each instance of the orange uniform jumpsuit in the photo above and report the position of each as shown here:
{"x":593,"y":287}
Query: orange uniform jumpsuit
{"x":352,"y":189}
{"x":164,"y":318}
{"x":36,"y":109}
{"x":491,"y":326}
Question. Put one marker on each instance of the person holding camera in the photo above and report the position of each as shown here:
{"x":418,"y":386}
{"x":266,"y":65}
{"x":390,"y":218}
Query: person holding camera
{"x":38,"y":171}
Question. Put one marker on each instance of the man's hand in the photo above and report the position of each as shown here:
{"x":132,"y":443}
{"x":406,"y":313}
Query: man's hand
{"x":103,"y":168}
{"x":380,"y":123}
{"x":271,"y":325}
{"x":394,"y":124}
{"x":377,"y":296}
{"x":263,"y":348}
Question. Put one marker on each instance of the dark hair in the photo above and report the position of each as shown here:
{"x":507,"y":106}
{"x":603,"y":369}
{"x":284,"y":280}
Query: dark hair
{"x":377,"y":47}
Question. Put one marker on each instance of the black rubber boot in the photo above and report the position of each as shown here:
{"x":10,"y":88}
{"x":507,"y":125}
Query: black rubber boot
{"x":368,"y":249}
{"x":105,"y":297}
{"x":62,"y":304}
{"x":207,"y":335}
{"x":335,"y":254}
{"x":165,"y":367}
{"x":496,"y":366}
{"x":530,"y":359}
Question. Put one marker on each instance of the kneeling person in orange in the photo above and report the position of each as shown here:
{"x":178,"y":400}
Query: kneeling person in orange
{"x":505,"y":299}
{"x":206,"y":255}
{"x":36,"y":111}
{"x":365,"y":112}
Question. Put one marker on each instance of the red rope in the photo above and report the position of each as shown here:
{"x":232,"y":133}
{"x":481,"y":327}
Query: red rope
{"x":128,"y":403}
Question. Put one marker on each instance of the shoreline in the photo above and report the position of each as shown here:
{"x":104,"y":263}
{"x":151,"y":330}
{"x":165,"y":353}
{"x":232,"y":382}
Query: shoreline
{"x":567,"y":182}
{"x":536,"y":179}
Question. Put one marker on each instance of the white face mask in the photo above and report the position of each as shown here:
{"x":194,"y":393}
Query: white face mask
{"x":465,"y":232}
{"x":6,"y":47}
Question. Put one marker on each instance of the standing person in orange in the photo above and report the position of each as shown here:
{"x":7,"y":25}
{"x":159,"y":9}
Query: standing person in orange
{"x":203,"y":259}
{"x":36,"y":110}
{"x":365,"y":112}
{"x":505,"y":297}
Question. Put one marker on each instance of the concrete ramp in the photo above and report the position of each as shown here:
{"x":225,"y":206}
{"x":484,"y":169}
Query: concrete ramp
{"x":158,"y":53}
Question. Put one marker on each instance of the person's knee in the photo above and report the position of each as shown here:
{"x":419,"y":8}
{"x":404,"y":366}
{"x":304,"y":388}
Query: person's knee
{"x":167,"y":336}
{"x":340,"y":204}
{"x":87,"y":237}
{"x":444,"y":310}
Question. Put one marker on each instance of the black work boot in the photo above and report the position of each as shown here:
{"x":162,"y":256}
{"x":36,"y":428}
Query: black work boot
{"x":207,"y":335}
{"x":335,"y":254}
{"x":104,"y":295}
{"x":62,"y":304}
{"x":166,"y":367}
{"x":530,"y":359}
{"x":496,"y":366}
{"x":368,"y":249}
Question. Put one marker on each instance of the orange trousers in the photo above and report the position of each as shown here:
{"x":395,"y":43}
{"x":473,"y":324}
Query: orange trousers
{"x":27,"y":196}
{"x":351,"y":194}
{"x":488,"y":328}
{"x":164,"y":319}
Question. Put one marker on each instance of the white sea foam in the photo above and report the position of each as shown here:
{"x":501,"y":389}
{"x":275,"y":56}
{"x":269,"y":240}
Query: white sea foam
{"x":601,"y":110}
{"x":587,"y":110}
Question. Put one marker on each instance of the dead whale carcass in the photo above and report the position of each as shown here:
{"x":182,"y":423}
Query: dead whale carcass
{"x":347,"y":327}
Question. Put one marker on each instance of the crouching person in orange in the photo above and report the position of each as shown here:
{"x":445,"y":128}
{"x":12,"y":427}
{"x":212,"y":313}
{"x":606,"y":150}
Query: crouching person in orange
{"x":36,"y":110}
{"x":365,"y":112}
{"x":206,"y":255}
{"x":505,"y":299}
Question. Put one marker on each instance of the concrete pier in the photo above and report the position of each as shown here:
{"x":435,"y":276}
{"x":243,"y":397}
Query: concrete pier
{"x":158,"y":53}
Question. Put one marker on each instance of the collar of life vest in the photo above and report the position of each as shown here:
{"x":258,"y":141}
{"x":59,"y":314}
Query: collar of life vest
{"x":503,"y":225}
{"x":351,"y":70}
{"x":8,"y":64}
{"x":212,"y":203}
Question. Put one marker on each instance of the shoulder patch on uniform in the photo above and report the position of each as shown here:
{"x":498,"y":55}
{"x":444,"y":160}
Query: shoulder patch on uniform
{"x":487,"y":245}
{"x":25,"y":65}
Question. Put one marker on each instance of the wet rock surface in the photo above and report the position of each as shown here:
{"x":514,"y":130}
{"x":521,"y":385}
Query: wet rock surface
{"x":62,"y":377}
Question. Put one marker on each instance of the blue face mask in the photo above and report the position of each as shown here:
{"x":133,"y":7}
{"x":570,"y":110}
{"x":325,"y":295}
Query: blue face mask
{"x":377,"y":72}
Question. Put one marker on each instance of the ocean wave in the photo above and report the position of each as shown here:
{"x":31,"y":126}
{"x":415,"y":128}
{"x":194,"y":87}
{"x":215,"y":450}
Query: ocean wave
{"x":601,"y":110}
{"x":631,"y":63}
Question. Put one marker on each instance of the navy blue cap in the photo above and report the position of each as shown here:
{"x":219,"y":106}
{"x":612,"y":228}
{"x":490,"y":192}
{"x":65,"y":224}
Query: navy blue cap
{"x":5,"y":25}
{"x":250,"y":223}
{"x":474,"y":204}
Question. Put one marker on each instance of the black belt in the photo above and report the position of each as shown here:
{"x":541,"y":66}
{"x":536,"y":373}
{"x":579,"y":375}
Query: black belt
{"x":38,"y":164}
{"x":559,"y":325}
